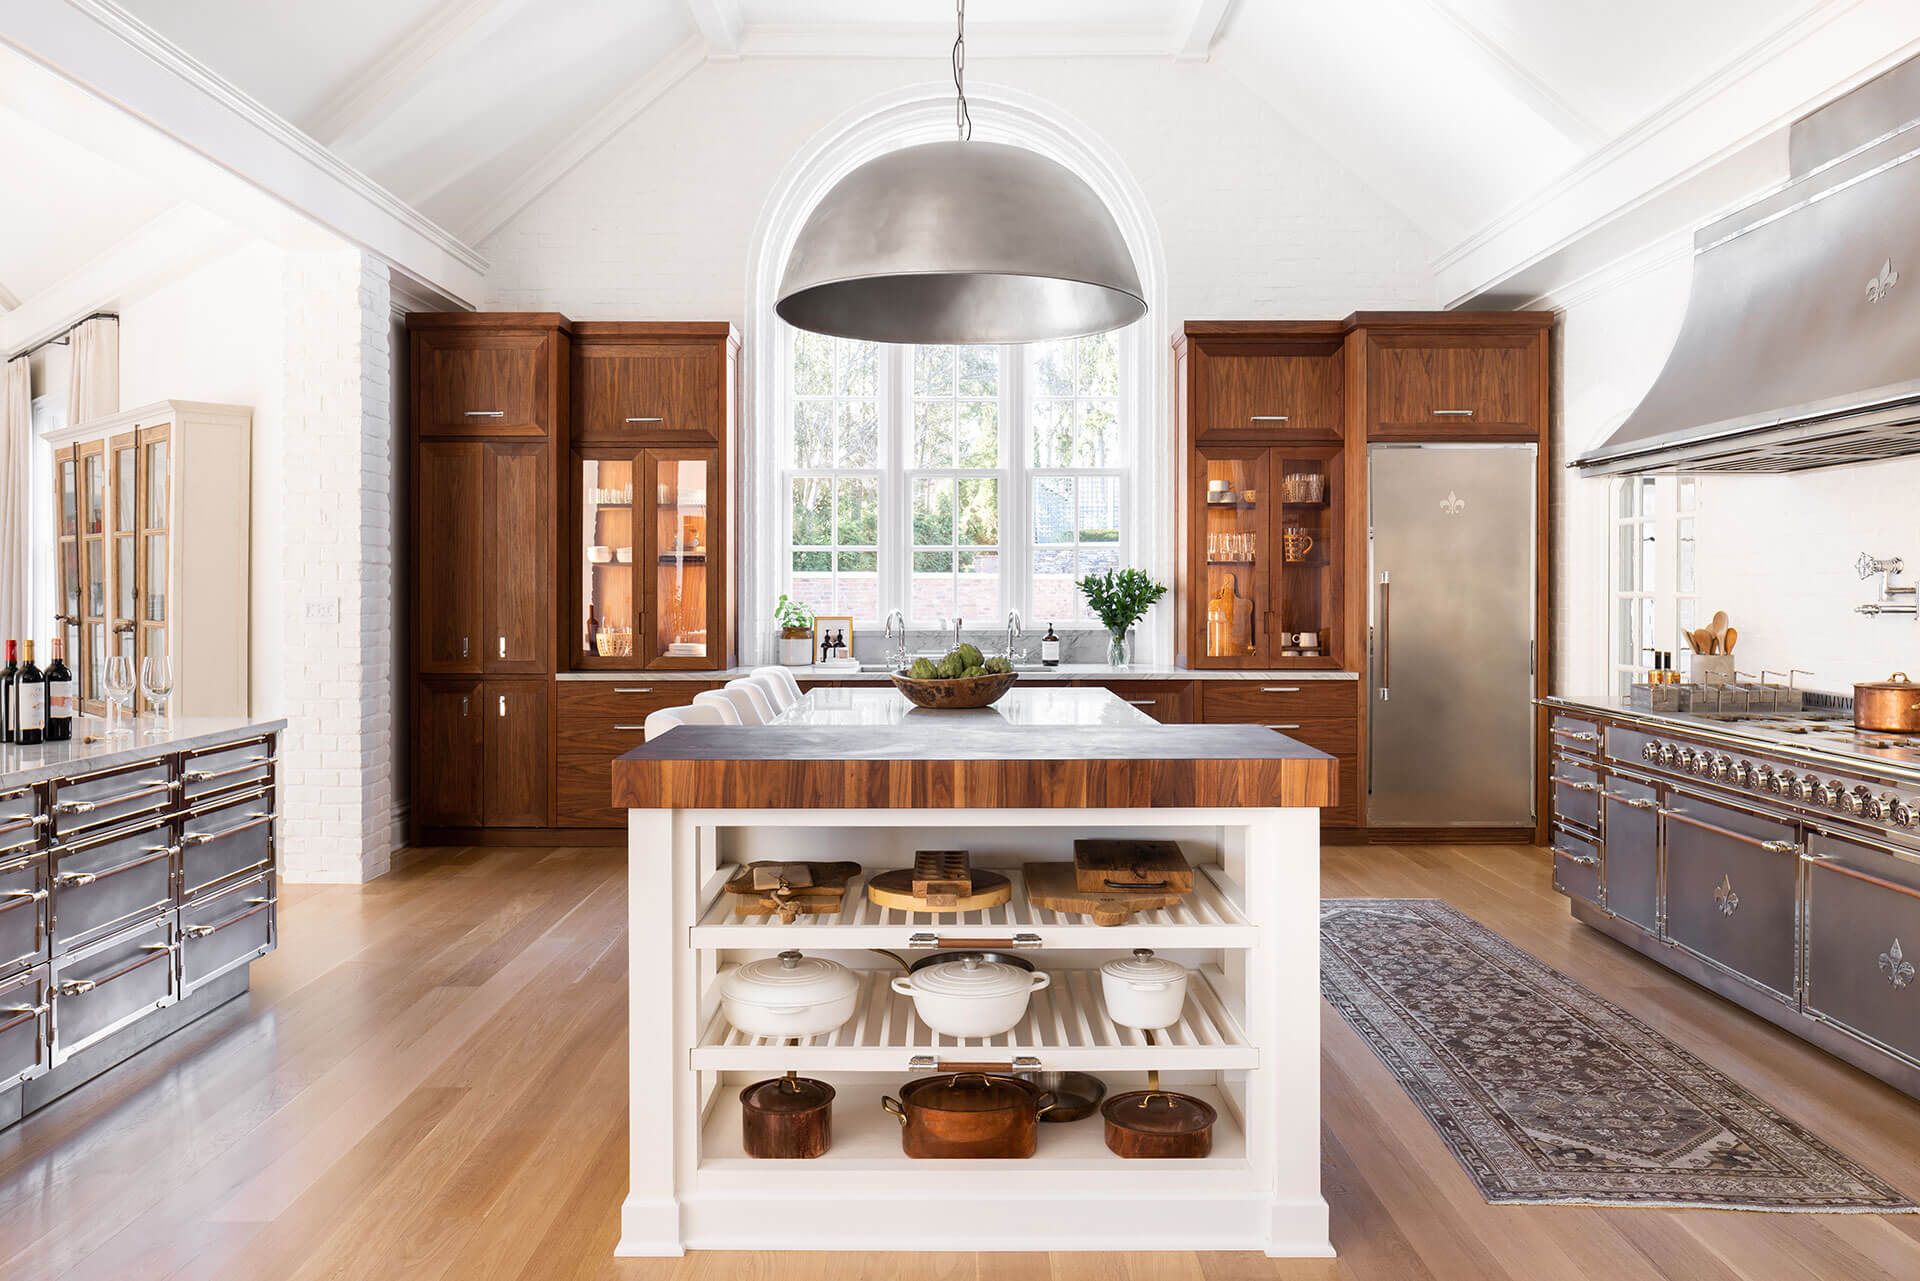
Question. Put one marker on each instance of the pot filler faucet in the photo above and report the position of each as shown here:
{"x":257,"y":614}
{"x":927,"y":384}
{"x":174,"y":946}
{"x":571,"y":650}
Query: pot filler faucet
{"x":1889,"y":569}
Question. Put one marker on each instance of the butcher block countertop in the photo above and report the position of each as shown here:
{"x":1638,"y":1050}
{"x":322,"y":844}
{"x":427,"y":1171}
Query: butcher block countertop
{"x":963,"y":760}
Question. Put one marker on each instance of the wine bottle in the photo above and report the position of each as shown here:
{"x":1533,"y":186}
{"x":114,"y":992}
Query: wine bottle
{"x":1050,"y":648}
{"x":9,"y":732}
{"x":30,"y":699}
{"x":60,"y":690}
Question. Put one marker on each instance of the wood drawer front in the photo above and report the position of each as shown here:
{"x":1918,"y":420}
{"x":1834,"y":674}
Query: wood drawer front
{"x":474,"y":384}
{"x":23,"y":913}
{"x":26,"y":1041}
{"x":649,"y":391}
{"x":225,"y":839}
{"x":1169,"y":702}
{"x":227,"y":930}
{"x":1338,"y":737}
{"x":600,"y":720}
{"x":1277,"y":395}
{"x":1863,"y":946}
{"x":99,"y":886}
{"x":101,"y":990}
{"x":1470,"y":385}
{"x":97,"y":801}
{"x":1272,"y":702}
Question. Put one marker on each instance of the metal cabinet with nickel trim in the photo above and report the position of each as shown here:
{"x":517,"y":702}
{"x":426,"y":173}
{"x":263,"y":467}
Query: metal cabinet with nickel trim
{"x":1632,"y":827}
{"x":104,"y":882}
{"x":26,"y":1036}
{"x":1733,"y":882}
{"x":1576,"y":792}
{"x":223,"y":837}
{"x":89,"y":802}
{"x":1862,"y":938}
{"x":1578,"y":866}
{"x":224,"y":930}
{"x":102,"y":988}
{"x":227,"y":767}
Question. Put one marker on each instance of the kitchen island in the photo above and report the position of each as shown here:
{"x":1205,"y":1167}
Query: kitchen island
{"x":1014,"y":786}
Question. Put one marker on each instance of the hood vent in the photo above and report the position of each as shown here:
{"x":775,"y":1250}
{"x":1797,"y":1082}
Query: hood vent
{"x":1801,"y":343}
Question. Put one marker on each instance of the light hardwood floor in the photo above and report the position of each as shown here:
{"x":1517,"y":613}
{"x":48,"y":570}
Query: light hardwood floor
{"x":428,"y":1082}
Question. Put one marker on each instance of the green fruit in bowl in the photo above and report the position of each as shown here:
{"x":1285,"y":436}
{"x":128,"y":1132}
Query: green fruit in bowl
{"x":970,"y":655}
{"x":950,"y":667}
{"x":998,"y":666}
{"x":922,"y":670}
{"x":972,"y":672}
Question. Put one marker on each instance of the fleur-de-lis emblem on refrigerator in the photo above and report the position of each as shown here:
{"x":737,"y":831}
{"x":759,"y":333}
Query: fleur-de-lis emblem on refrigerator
{"x":1452,"y":504}
{"x":1897,"y":968}
{"x":1877,"y":286}
{"x":1725,"y":895}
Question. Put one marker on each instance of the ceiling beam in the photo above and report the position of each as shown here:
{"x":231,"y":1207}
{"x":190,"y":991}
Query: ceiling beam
{"x":1197,"y":26}
{"x":720,"y":26}
{"x":1519,"y":80}
{"x":383,"y":82}
{"x":9,"y":300}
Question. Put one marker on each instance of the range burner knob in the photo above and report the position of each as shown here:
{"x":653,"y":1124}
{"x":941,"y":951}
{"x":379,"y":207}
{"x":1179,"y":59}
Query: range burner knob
{"x":1650,"y":750}
{"x":1722,"y":768}
{"x":1668,"y":753}
{"x":1904,"y":815}
{"x":1764,"y":780}
{"x":1744,"y":775}
{"x":1877,"y":808}
{"x":1782,"y":784}
{"x":1823,"y":795}
{"x":1855,"y":802}
{"x":1803,"y":789}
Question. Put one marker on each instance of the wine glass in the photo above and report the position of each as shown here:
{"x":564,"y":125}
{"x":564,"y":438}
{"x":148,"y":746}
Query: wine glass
{"x":117,"y":679}
{"x":156,"y":681}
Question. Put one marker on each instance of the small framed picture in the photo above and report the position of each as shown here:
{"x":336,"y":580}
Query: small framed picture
{"x":833,"y":642}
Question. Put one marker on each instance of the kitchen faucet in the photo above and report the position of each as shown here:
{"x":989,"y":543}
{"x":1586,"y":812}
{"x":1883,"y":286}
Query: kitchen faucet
{"x":1015,"y":625}
{"x":957,"y":621}
{"x":898,"y":650}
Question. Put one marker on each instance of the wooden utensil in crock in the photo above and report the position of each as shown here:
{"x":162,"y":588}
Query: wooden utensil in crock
{"x":1891,"y":706}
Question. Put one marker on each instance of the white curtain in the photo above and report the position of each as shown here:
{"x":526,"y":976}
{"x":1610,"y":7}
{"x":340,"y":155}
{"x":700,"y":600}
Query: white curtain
{"x":16,"y":499}
{"x":93,"y":382}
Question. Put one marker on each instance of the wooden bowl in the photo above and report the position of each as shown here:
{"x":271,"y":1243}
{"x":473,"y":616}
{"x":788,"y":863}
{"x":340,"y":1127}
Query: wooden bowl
{"x":953,"y":695}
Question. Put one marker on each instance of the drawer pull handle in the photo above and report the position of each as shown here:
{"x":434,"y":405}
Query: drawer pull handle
{"x":1577,"y":738}
{"x":1453,"y":413}
{"x":254,"y":819}
{"x":1143,"y":702}
{"x":202,"y":775}
{"x":75,"y":878}
{"x":32,"y":894}
{"x":1575,"y":785}
{"x":944,"y":942}
{"x":159,"y":849}
{"x":1584,"y":860}
{"x":88,"y":807}
{"x":1633,"y":801}
{"x":637,"y":729}
{"x":486,"y":413}
{"x":1279,"y":689}
{"x":1283,"y":727}
{"x":75,"y":987}
{"x":26,"y":1009}
{"x":156,"y":947}
{"x":646,"y":420}
{"x":197,"y":931}
{"x":258,"y":901}
{"x":633,"y":689}
{"x":1780,"y":847}
{"x":930,"y":1063}
{"x":1897,"y":968}
{"x":1266,"y":418}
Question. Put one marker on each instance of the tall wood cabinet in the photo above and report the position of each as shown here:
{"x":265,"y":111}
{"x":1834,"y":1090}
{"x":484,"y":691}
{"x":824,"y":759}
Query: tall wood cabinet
{"x":152,"y":508}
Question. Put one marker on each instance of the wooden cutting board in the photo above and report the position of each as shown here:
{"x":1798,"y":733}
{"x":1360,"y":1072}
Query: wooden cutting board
{"x":822,"y":895}
{"x":1053,"y":886}
{"x":1131,"y":865}
{"x":894,"y":889}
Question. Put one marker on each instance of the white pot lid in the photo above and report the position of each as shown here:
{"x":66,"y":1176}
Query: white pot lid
{"x":971,"y":976}
{"x":789,"y":979}
{"x":1144,"y":967}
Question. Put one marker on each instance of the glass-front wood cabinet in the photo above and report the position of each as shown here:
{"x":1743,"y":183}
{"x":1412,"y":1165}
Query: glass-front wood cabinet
{"x":649,"y":564}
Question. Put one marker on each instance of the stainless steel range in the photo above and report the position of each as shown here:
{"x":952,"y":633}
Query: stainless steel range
{"x":1774,"y":859}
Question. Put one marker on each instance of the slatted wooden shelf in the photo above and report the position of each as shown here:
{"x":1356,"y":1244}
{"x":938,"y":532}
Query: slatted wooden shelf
{"x":1066,"y":1027}
{"x":1208,"y":917}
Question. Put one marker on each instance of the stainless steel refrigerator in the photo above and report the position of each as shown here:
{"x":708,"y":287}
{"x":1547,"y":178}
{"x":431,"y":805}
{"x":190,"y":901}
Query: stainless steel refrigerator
{"x":1451,"y":572}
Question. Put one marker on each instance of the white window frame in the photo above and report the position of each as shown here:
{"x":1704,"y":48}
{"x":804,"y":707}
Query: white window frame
{"x":1663,"y":528}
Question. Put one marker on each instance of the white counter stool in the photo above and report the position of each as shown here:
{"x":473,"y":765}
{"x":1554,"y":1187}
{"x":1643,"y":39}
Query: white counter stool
{"x":721,"y":705}
{"x":747,"y":699}
{"x":776,"y":693}
{"x":667,"y":718}
{"x":785,"y":679}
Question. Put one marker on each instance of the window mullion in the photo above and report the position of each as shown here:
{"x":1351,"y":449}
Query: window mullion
{"x":896,"y":561}
{"x":1015,"y":571}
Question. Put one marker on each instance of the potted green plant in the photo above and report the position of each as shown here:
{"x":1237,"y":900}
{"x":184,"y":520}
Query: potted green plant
{"x":1120,"y":598}
{"x":796,"y":632}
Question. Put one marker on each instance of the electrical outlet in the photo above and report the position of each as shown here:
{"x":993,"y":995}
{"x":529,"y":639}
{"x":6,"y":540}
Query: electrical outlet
{"x":322,"y":609}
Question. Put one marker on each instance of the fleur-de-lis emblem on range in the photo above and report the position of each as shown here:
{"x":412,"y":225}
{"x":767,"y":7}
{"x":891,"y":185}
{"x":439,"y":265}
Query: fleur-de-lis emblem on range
{"x":1453,"y":504}
{"x":1877,"y":286}
{"x":1725,"y":895}
{"x":1897,"y":968}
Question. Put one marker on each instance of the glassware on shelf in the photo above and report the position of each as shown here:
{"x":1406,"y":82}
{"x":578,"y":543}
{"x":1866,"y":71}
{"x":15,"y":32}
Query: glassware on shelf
{"x":679,"y":556}
{"x":609,"y":597}
{"x":1304,"y":487}
{"x":156,"y":681}
{"x":117,"y":679}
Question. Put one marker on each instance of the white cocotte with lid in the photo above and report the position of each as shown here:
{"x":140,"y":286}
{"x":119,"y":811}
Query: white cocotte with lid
{"x":1144,"y":991}
{"x":789,"y":995}
{"x":970,"y":996}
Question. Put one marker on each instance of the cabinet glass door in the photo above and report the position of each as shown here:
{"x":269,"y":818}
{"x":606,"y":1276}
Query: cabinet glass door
{"x":1308,"y":536}
{"x":66,"y":503}
{"x":683,"y":506}
{"x":94,"y":603}
{"x":1234,"y":553}
{"x":608,"y":622}
{"x":155,"y":483}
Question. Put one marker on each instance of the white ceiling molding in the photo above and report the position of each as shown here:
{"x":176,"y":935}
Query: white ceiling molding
{"x":9,"y":301}
{"x":1535,"y":93}
{"x":985,"y":40}
{"x":385,"y":79}
{"x":1820,"y":54}
{"x":104,"y":50}
{"x":1197,"y":27}
{"x":604,"y":123}
{"x":720,"y":26}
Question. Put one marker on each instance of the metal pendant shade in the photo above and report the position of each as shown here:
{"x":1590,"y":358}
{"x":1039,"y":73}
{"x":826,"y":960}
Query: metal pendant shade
{"x":960,"y":242}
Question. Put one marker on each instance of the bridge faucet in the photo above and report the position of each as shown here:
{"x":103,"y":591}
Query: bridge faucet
{"x":1015,"y":625}
{"x":898,"y":648}
{"x":957,"y":621}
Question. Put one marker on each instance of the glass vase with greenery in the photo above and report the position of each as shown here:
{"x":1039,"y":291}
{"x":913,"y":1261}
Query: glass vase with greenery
{"x":1120,"y":598}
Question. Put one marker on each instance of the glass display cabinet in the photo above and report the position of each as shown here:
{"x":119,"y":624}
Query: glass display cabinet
{"x":651,"y":522}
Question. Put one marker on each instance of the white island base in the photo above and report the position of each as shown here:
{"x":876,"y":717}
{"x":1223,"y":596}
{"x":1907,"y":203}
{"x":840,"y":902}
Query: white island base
{"x":1248,"y":1041}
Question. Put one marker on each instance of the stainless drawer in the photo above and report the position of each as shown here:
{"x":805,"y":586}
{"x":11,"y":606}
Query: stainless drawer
{"x":1633,"y":850}
{"x":1576,"y":866}
{"x":225,"y":838}
{"x":1626,"y":745}
{"x":26,"y":1039}
{"x":99,"y":885}
{"x":104,"y":987}
{"x":209,"y":770}
{"x":1863,"y":943}
{"x":226,"y":930}
{"x":1576,"y":793}
{"x":1571,"y":734}
{"x":1732,"y":890}
{"x":18,"y":805}
{"x":95,"y":802}
{"x":23,"y":912}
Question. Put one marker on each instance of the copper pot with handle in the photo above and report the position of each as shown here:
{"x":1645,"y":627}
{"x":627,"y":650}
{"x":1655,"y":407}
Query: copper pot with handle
{"x":1891,"y":706}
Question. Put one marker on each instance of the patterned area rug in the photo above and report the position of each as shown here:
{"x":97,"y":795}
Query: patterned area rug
{"x":1549,"y":1095}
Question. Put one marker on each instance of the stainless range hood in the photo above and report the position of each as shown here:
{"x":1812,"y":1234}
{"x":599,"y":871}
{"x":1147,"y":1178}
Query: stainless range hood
{"x":1801,"y":343}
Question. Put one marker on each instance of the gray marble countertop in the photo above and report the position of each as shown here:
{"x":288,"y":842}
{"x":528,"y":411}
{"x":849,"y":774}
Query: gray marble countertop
{"x":149,"y":736}
{"x":1064,"y":672}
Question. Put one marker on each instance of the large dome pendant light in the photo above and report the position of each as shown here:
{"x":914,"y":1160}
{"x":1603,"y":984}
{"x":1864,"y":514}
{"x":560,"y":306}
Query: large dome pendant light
{"x":960,"y":242}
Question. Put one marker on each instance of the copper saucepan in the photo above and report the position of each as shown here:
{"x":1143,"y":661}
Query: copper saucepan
{"x":1891,"y":706}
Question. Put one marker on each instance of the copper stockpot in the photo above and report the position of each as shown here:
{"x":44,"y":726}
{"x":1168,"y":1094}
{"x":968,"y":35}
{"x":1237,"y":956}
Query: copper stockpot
{"x":969,"y":1114}
{"x":1891,"y":706}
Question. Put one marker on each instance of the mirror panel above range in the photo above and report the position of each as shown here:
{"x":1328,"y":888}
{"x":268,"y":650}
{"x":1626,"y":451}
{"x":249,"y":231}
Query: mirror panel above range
{"x":1772,"y":856}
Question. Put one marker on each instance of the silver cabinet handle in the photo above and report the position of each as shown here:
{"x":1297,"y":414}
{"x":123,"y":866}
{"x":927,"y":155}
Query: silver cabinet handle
{"x":1578,"y":738}
{"x":503,"y":704}
{"x":26,"y":1009}
{"x":928,"y":1063}
{"x":463,"y":704}
{"x":637,"y":729}
{"x":1283,"y":727}
{"x":1584,"y":860}
{"x":503,"y":647}
{"x":74,"y":987}
{"x":202,"y":775}
{"x":88,"y":807}
{"x":1633,"y":801}
{"x":463,"y":646}
{"x":197,"y":931}
{"x":32,"y":894}
{"x":254,"y":819}
{"x":1578,"y":787}
{"x":633,"y":689}
{"x":1780,"y":847}
{"x":1143,"y":702}
{"x":646,"y":420}
{"x":258,"y":901}
{"x":1279,"y":689}
{"x":486,"y":413}
{"x":75,"y":878}
{"x":1266,"y":418}
{"x":1386,"y":635}
{"x":160,"y":849}
{"x":1453,"y":413}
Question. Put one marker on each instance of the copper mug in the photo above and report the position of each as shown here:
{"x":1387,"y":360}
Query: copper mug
{"x":1295,"y":543}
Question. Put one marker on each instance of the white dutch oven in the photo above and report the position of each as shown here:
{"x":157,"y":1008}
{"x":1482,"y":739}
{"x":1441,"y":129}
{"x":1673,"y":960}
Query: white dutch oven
{"x":789,"y":995}
{"x":1144,"y":991}
{"x":970,"y":996}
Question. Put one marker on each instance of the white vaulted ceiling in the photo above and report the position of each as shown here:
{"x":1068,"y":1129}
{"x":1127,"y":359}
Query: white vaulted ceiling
{"x":1456,"y":112}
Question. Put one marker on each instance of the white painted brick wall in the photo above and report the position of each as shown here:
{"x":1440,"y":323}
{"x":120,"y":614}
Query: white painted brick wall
{"x":337,"y":761}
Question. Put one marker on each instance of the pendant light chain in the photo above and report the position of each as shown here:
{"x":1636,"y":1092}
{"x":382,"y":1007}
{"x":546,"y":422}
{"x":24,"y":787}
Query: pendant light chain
{"x":962,"y":118}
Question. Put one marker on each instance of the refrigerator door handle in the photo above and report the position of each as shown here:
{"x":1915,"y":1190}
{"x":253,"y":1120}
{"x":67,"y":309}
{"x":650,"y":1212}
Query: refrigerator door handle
{"x":1386,"y":650}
